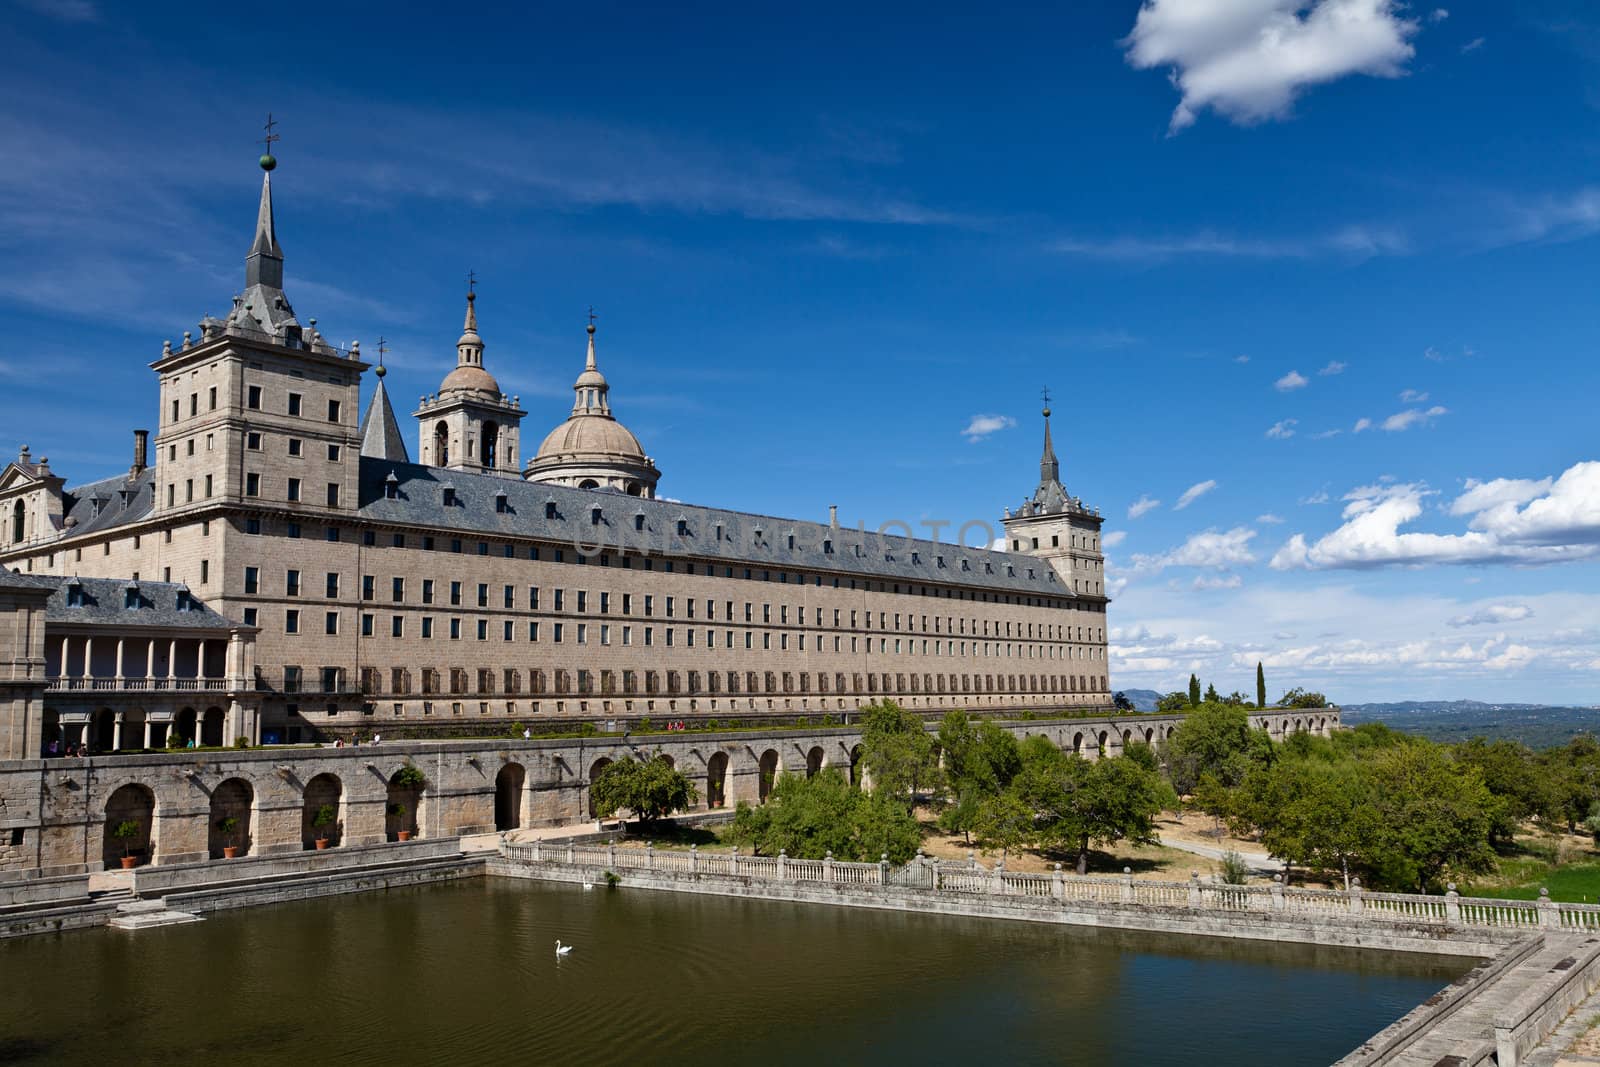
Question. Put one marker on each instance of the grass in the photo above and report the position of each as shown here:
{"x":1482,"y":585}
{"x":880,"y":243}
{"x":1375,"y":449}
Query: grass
{"x":1566,"y":865}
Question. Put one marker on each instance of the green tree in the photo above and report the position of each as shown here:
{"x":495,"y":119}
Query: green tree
{"x":1079,"y":804}
{"x":1573,"y":772}
{"x":1194,"y":691}
{"x":1311,"y":811}
{"x":1215,"y":739}
{"x":980,"y":760}
{"x":1211,"y":696}
{"x":1432,"y":815}
{"x":1514,"y":776}
{"x":1120,"y":701}
{"x":897,"y":751}
{"x":810,"y":817}
{"x":1005,"y":819}
{"x":1261,"y":686}
{"x":1172,"y":702}
{"x":651,"y":788}
{"x":1300,"y":698}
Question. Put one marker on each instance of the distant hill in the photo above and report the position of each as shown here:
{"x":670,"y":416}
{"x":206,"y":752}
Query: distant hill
{"x":1143,"y":699}
{"x":1535,"y":725}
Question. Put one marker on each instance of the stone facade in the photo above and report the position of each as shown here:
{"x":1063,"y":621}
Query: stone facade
{"x":449,"y":594}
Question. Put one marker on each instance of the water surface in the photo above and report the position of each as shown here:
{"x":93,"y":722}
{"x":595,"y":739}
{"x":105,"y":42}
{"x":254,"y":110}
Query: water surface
{"x":466,"y":973}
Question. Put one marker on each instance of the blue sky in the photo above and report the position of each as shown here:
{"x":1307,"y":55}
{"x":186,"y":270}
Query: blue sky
{"x":1325,"y":269}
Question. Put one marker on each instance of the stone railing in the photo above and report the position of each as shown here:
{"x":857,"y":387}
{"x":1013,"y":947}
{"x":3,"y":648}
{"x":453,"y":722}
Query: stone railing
{"x":779,"y":868}
{"x":970,"y":878}
{"x":95,"y":684}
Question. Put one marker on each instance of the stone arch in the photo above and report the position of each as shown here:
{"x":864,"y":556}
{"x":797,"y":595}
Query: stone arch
{"x":1127,"y":738}
{"x":489,"y":445}
{"x":1149,"y":736}
{"x":668,"y":760}
{"x":594,"y":772}
{"x":402,"y":808}
{"x":233,"y":799}
{"x":210,"y":728}
{"x":133,"y":803}
{"x":815,"y":761}
{"x":717,"y":780}
{"x":441,"y":444}
{"x":508,"y":796}
{"x":1077,"y":743}
{"x":325,"y":790}
{"x":1101,"y":742}
{"x":770,"y":767}
{"x":186,"y":723}
{"x":857,"y":772}
{"x":1299,"y":725}
{"x":588,"y":483}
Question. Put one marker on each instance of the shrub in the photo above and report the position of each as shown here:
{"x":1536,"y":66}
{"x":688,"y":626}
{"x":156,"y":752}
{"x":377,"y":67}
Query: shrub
{"x":1235,"y":871}
{"x":410,"y":776}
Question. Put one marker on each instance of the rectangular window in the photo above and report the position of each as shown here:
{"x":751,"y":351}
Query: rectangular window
{"x":455,"y":629}
{"x":296,"y":446}
{"x":252,"y":579}
{"x":208,"y":486}
{"x":427,"y":626}
{"x":483,"y":629}
{"x":333,"y":453}
{"x":291,"y":621}
{"x":511,"y":596}
{"x":333,"y":411}
{"x":366,"y":587}
{"x":249,"y":616}
{"x":556,"y":633}
{"x":455,"y":594}
{"x":483,"y":594}
{"x":583,"y":601}
{"x":294,"y":403}
{"x":333,"y":494}
{"x":533,"y":598}
{"x":252,"y":441}
{"x":397,"y":626}
{"x":252,"y":400}
{"x":397,"y":589}
{"x":213,"y":398}
{"x":559,"y":594}
{"x":291,"y":583}
{"x":366,"y":626}
{"x":333,"y":586}
{"x":427,"y":590}
{"x":294,"y":489}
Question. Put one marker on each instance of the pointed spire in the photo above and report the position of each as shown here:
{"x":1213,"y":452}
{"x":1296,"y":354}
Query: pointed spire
{"x":588,"y":364}
{"x":469,"y":348}
{"x":380,"y":431}
{"x":1049,"y":467}
{"x":591,"y":387}
{"x":264,"y":265}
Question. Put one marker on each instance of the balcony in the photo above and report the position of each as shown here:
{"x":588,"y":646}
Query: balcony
{"x":146,"y":685}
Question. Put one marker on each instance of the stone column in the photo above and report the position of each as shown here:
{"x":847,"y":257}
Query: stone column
{"x":172,"y":666}
{"x":116,"y":734}
{"x":1355,"y":894}
{"x":150,"y":657}
{"x":1127,"y":885}
{"x":1194,"y":889}
{"x":1452,"y":905}
{"x":1058,"y":885}
{"x":1278,"y":903}
{"x":121,"y":641}
{"x":1549,"y":914}
{"x":147,"y":729}
{"x":88,"y":654}
{"x":783,"y":865}
{"x":64,"y":647}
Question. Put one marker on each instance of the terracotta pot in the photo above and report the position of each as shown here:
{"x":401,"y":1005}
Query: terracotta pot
{"x":229,"y":851}
{"x":322,"y":843}
{"x":404,"y":835}
{"x":129,"y":862}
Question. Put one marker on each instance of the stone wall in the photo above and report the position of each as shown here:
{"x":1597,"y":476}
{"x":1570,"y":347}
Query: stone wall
{"x":55,"y":815}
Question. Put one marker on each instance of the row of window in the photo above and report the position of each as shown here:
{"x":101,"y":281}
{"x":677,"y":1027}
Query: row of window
{"x":486,"y":681}
{"x":294,"y":403}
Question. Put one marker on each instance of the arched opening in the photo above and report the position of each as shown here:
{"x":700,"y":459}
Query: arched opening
{"x":633,"y":489}
{"x":19,"y":522}
{"x":441,"y":445}
{"x":1100,"y":743}
{"x":321,"y":817}
{"x":52,"y":731}
{"x":230,"y":818}
{"x":717,"y":780}
{"x":1149,"y":736}
{"x":857,"y":772}
{"x":184,"y":724}
{"x":401,"y":806}
{"x":769,"y":773}
{"x":130,"y":810}
{"x":508,"y":796}
{"x":1077,"y":743}
{"x":1127,"y":738}
{"x":588,"y":483}
{"x":813,"y":761}
{"x":594,"y":772}
{"x":489,"y":444}
{"x":103,"y":730}
{"x":211,"y":728}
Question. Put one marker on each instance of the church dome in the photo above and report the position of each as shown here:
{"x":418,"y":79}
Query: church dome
{"x":470,"y":376}
{"x":590,"y":436}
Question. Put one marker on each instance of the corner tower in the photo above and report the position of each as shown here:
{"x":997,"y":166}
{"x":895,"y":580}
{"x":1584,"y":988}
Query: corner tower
{"x":1056,"y":526}
{"x":469,"y":424}
{"x":592,"y":450}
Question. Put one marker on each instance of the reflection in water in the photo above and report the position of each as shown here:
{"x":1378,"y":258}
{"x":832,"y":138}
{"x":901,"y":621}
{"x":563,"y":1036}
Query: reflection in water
{"x":465,"y":973}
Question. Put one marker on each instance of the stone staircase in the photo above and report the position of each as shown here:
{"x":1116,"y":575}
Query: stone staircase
{"x":146,"y":914}
{"x":1466,"y":1038}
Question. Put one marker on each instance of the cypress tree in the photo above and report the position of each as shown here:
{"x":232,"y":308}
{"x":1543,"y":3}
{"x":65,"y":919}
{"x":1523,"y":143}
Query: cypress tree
{"x":1261,"y":686}
{"x":1194,"y":691}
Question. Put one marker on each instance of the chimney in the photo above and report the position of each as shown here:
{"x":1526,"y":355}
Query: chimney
{"x":833,"y":515}
{"x":141,"y":445}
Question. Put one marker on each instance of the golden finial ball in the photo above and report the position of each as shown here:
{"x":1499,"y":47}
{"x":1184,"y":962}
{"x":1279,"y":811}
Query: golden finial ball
{"x":1047,"y":413}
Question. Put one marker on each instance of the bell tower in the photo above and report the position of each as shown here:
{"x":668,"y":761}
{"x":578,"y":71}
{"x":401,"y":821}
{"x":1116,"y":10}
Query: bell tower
{"x":470,"y":425}
{"x":1056,"y":526}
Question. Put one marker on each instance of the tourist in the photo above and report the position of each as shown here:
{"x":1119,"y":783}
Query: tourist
{"x":526,"y":733}
{"x":338,"y":742}
{"x":376,"y":738}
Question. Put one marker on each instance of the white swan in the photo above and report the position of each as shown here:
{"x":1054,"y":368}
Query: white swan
{"x":562,"y":950}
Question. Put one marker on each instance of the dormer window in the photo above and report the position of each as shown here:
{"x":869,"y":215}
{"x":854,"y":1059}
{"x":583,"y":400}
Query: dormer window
{"x":549,"y":509}
{"x":791,"y":542}
{"x":916,"y":557}
{"x":966,"y":565}
{"x":939,"y":562}
{"x":594,"y":516}
{"x":184,"y":602}
{"x":130,"y":597}
{"x":827,"y":546}
{"x":74,"y":594}
{"x":391,"y":487}
{"x":638,"y":521}
{"x":449,"y":496}
{"x":500,"y":505}
{"x":719,"y":531}
{"x":683,"y":527}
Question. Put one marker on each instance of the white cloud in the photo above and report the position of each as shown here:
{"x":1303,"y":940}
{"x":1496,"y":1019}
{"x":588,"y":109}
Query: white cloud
{"x":1142,"y":505}
{"x":1241,"y":359}
{"x":1472,"y":45}
{"x":1333,"y":367}
{"x":1282,"y":430}
{"x":1412,"y":396}
{"x":1293,"y":380}
{"x":1216,"y":549}
{"x":1319,"y":497}
{"x":1114,"y":538}
{"x":1401,"y":421}
{"x":1221,"y":581}
{"x":982,"y":426}
{"x":1508,"y":525}
{"x":1357,"y":240}
{"x":1361,"y":424}
{"x":1323,"y":435}
{"x":1249,"y":59}
{"x":1269,"y":518}
{"x":1193,"y":493}
{"x":1493,"y":615}
{"x":65,"y":10}
{"x":1439,"y":15}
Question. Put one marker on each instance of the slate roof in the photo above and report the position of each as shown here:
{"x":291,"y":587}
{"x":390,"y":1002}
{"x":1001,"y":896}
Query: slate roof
{"x":420,"y":502}
{"x":105,"y":599}
{"x":121,"y":500}
{"x":380,"y":432}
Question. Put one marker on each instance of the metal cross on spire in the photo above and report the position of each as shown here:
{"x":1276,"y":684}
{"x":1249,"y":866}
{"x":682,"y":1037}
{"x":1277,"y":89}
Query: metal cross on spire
{"x":1046,"y":394}
{"x":592,"y":315}
{"x":472,"y":281}
{"x":266,"y":142}
{"x":382,"y":348}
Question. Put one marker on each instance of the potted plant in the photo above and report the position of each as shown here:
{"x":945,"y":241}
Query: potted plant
{"x":326,"y":816}
{"x":125,"y":831}
{"x":399,"y":812}
{"x":229,"y":825}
